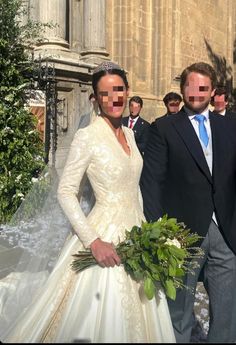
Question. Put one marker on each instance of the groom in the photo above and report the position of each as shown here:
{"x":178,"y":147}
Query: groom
{"x":190,"y":174}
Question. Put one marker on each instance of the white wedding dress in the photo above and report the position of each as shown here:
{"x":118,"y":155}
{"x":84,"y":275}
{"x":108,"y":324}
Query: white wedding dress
{"x":98,"y":304}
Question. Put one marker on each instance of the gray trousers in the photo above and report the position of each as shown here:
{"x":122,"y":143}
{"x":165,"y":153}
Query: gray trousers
{"x":219,"y":267}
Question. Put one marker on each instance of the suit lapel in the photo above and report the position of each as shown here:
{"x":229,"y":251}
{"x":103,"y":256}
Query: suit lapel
{"x":188,"y":135}
{"x":137,"y":123}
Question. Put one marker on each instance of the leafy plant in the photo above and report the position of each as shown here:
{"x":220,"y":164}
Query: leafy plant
{"x":21,"y":149}
{"x":161,"y":251}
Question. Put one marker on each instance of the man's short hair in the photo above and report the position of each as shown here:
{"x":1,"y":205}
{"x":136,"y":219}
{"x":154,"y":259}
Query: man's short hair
{"x":201,"y":68}
{"x":220,"y":90}
{"x":172,"y":96}
{"x":136,"y":99}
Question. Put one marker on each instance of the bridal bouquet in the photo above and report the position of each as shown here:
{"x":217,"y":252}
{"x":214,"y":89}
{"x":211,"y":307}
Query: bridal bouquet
{"x":161,"y":251}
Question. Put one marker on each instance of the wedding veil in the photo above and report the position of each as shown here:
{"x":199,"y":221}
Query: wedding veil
{"x":31,"y":242}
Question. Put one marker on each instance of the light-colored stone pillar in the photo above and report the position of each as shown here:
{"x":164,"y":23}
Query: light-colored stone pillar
{"x":94,"y":39}
{"x":55,"y":12}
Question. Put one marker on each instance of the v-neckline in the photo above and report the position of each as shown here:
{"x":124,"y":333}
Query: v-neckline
{"x":115,"y":138}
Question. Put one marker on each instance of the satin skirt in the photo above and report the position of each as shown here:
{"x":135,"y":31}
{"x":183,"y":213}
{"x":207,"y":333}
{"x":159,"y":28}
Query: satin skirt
{"x":96,"y":305}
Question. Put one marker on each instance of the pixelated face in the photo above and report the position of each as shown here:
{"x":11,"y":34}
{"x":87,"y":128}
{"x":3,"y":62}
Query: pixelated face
{"x":197,"y":92}
{"x":220,"y":103}
{"x":112,"y":95}
{"x":134,"y":108}
{"x":173,"y":106}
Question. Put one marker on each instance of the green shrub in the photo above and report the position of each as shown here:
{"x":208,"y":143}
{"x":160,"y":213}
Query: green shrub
{"x":21,"y":150}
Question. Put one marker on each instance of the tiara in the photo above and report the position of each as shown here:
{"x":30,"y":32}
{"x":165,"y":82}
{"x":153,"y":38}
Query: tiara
{"x":106,"y":66}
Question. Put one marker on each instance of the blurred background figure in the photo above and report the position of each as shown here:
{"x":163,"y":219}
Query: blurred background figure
{"x":92,"y":113}
{"x":137,"y":123}
{"x":220,"y":102}
{"x":172,"y":102}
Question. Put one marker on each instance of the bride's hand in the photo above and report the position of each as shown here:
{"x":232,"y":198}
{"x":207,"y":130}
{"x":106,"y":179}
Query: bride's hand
{"x":104,"y":253}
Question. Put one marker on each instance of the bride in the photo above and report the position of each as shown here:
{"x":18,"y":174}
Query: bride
{"x":102,"y":303}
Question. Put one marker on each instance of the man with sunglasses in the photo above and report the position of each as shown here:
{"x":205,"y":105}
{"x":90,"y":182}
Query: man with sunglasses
{"x":172,"y":102}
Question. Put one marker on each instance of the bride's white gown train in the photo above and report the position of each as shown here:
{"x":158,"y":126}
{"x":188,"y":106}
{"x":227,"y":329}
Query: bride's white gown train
{"x":98,"y":304}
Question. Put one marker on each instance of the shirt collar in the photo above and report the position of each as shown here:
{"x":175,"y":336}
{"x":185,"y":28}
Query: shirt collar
{"x":191,"y":114}
{"x":222,"y":112}
{"x":135,"y":119}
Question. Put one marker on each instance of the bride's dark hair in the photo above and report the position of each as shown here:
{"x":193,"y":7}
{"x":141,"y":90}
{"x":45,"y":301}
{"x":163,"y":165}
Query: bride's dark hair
{"x":105,"y":68}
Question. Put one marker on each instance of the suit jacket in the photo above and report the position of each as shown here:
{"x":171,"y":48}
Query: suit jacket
{"x":230,"y":114}
{"x":141,"y":132}
{"x":165,"y":115}
{"x":176,"y":179}
{"x":161,"y":117}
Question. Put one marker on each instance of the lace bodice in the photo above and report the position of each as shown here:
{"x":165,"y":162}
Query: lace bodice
{"x":113,"y":174}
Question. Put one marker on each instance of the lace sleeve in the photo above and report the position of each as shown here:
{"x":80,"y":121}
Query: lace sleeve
{"x":79,"y":158}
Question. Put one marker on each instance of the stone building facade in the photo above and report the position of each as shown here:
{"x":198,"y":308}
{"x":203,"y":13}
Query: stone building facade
{"x":154,"y":40}
{"x":73,"y":46}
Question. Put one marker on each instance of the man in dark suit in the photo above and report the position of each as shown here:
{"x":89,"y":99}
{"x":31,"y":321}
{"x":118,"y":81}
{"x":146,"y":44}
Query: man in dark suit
{"x":137,"y":123}
{"x":190,"y":174}
{"x":220,"y":101}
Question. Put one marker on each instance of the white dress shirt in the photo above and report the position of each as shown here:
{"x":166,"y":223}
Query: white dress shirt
{"x":134,"y":119}
{"x":222,"y":112}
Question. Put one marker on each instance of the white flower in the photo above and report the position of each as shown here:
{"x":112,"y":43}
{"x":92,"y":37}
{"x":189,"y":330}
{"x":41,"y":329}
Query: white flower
{"x":8,"y":130}
{"x":173,"y":242}
{"x":20,"y":195}
{"x":30,"y":132}
{"x":38,"y":158}
{"x":34,"y":180}
{"x":18,"y":177}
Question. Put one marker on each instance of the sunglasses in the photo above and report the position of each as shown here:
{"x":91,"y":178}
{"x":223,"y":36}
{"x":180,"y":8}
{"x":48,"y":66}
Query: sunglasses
{"x":174,"y":104}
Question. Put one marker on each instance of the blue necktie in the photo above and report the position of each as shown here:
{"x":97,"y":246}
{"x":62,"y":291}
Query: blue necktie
{"x":202,"y":129}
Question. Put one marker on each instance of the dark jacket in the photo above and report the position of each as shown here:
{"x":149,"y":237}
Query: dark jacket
{"x":141,"y":132}
{"x":230,"y":114}
{"x":165,"y":115}
{"x":176,"y":179}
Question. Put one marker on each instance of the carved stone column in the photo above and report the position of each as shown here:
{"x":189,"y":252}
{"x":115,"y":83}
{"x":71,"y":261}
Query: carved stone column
{"x":55,"y":12}
{"x":94,"y":40}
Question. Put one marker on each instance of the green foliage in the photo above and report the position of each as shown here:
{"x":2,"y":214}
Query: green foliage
{"x":21,"y":150}
{"x":155,"y":252}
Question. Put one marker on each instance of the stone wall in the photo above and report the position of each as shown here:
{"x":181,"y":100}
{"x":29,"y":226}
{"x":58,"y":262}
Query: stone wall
{"x":156,"y":39}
